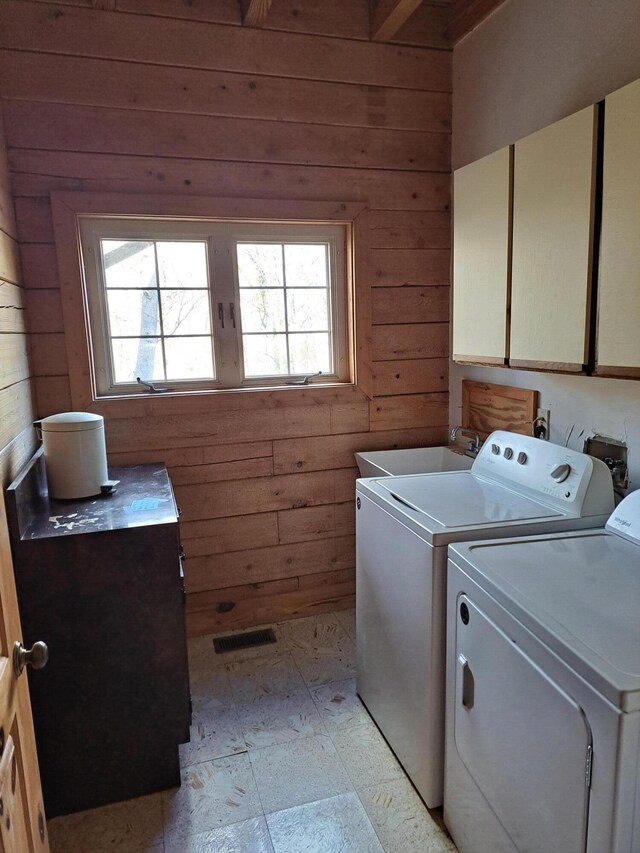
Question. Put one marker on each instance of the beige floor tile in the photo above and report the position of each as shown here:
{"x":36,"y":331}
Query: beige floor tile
{"x":313,"y":632}
{"x":401,"y":819}
{"x":213,"y":735}
{"x":339,"y":706}
{"x":300,"y":772}
{"x":203,"y":652}
{"x":334,"y":825}
{"x":347,"y":619}
{"x":273,"y":720}
{"x":133,"y":826}
{"x":200,"y":653}
{"x":248,"y":836}
{"x":267,"y":676}
{"x":210,"y":687}
{"x":366,"y":756}
{"x":328,"y":663}
{"x":213,"y":794}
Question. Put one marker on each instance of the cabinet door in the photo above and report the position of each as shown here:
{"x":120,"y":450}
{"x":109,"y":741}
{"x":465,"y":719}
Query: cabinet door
{"x":553,"y":204}
{"x":618,"y":341}
{"x":482,"y":259}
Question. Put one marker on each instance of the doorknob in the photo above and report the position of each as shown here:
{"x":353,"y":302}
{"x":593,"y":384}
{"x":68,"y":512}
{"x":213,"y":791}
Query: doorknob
{"x":36,"y":657}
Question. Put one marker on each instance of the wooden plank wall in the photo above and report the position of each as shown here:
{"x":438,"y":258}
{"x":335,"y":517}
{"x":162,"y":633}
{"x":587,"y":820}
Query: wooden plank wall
{"x":17,"y":437}
{"x":174,"y":96}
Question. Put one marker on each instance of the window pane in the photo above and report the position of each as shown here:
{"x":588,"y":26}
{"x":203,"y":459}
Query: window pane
{"x":189,"y":358}
{"x":309,"y":353}
{"x":129,"y":263}
{"x":133,"y":312}
{"x":134,"y":357}
{"x":262,"y":310}
{"x":265,"y":355}
{"x":185,"y":312}
{"x":260,"y":265}
{"x":306,"y":265}
{"x":182,"y":264}
{"x":307,"y":310}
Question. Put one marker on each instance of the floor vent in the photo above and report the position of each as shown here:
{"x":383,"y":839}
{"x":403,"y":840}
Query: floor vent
{"x":244,"y":641}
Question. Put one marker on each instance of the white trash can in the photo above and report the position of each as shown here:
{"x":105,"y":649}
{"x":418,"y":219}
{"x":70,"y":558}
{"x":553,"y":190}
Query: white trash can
{"x":75,"y":454}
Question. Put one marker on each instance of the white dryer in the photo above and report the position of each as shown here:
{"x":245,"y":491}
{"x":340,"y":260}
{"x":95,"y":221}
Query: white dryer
{"x":517,"y":485}
{"x":543,"y":691}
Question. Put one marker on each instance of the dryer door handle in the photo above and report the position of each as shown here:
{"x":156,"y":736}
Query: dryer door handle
{"x":466,"y":682}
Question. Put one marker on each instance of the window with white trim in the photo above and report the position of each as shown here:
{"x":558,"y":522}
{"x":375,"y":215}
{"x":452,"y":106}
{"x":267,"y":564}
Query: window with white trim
{"x":197,"y":304}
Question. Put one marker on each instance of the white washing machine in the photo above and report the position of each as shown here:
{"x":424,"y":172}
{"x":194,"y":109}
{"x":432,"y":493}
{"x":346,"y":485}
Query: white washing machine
{"x":543,"y":691}
{"x":517,"y":485}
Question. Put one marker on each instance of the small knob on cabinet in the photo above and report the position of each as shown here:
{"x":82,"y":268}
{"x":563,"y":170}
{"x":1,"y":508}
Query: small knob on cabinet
{"x":561,"y":472}
{"x":36,"y":657}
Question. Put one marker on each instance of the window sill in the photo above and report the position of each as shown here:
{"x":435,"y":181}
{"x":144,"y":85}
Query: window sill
{"x":225,"y":399}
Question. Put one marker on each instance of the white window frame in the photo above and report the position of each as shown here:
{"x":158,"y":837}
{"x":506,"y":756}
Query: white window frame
{"x":221,"y":237}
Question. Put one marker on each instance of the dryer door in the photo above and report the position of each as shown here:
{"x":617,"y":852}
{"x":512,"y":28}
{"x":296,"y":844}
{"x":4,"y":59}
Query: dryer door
{"x":525,"y":742}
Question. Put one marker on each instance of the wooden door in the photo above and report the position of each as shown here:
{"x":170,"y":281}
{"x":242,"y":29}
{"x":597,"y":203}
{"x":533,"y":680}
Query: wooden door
{"x":618,"y":341}
{"x":22,"y":820}
{"x":553,"y":208}
{"x":482,"y":259}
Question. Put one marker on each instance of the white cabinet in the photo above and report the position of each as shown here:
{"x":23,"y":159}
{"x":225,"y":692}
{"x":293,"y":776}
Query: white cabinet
{"x":553,"y":208}
{"x":481,"y":259}
{"x":618,"y":336}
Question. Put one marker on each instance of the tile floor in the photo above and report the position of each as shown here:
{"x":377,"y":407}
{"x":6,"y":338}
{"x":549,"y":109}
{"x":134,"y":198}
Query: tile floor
{"x":283,"y":758}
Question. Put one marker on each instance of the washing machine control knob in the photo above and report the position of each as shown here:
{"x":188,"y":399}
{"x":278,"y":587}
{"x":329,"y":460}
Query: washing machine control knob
{"x":508,"y":453}
{"x":495,"y":449}
{"x":522,"y":457}
{"x":561,"y":472}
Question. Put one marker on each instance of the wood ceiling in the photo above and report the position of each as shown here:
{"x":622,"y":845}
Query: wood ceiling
{"x":388,"y":16}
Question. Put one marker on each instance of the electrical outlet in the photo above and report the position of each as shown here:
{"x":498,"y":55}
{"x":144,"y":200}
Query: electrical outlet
{"x":541,"y":424}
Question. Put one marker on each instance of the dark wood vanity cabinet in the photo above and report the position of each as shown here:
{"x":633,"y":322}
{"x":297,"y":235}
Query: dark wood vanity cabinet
{"x":100,"y":581}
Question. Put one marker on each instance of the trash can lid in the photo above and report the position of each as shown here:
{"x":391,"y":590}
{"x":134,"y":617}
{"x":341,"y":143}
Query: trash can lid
{"x":71,"y":422}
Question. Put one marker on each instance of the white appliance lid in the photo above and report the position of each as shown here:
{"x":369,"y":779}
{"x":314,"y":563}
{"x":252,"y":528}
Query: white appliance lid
{"x":583,"y":589}
{"x":461,"y":499}
{"x":71,"y":422}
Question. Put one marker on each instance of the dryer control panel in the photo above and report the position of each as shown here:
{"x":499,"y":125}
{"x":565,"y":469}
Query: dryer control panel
{"x":564,"y":478}
{"x":625,"y":519}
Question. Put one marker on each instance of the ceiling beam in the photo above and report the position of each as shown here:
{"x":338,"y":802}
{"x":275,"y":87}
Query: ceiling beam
{"x":255,"y":12}
{"x":387,"y":16}
{"x":466,"y":15}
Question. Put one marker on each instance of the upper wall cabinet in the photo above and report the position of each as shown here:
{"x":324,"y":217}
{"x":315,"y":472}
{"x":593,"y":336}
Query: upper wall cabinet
{"x":553,"y":206}
{"x":618,"y":341}
{"x":482,"y":259}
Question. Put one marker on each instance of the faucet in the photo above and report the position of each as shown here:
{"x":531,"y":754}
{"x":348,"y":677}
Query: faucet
{"x":473,"y":447}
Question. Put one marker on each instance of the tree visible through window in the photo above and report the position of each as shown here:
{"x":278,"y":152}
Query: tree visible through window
{"x":205,"y":304}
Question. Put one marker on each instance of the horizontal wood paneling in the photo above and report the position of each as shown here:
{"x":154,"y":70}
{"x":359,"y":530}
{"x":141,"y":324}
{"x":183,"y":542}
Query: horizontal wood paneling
{"x":318,"y":593}
{"x":14,"y":359}
{"x":326,"y":452}
{"x":407,"y":230}
{"x":143,"y":133}
{"x":392,"y":268}
{"x":175,"y":98}
{"x":410,"y":340}
{"x":410,"y":376}
{"x":17,"y":436}
{"x":9,"y":259}
{"x":280,"y":561}
{"x":316,"y":522}
{"x":62,"y":79}
{"x":405,"y":412}
{"x":35,"y":173}
{"x":238,"y":533}
{"x":390,"y":305}
{"x":192,"y":44}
